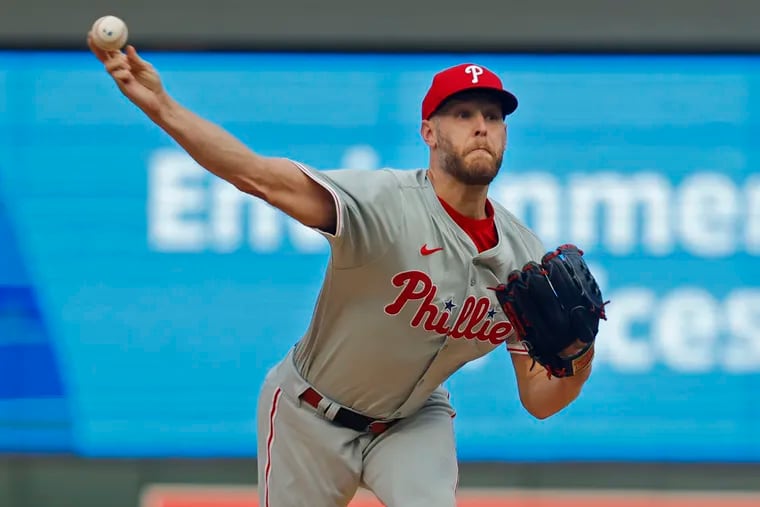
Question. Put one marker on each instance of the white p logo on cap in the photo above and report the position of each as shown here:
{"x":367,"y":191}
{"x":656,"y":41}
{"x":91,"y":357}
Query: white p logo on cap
{"x":475,"y":71}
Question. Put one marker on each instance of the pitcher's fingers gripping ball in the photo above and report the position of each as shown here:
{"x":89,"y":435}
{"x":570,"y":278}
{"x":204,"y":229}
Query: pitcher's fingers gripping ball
{"x":109,"y":33}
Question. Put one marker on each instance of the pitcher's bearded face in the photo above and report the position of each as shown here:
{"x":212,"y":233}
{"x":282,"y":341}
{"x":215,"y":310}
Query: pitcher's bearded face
{"x":471,"y":165}
{"x":471,"y":138}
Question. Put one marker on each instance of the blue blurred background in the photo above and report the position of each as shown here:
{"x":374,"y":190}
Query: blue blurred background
{"x":142,"y":300}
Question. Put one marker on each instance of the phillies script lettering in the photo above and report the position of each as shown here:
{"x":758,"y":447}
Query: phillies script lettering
{"x":471,"y":323}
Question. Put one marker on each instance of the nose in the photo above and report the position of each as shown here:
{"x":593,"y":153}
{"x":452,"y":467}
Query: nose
{"x":481,"y":127}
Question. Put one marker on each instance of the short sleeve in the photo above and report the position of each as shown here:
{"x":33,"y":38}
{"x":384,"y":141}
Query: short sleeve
{"x":536,"y":248}
{"x":369,"y":208}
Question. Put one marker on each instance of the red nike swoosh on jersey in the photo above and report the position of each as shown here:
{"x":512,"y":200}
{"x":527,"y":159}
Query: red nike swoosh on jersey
{"x":427,"y":251}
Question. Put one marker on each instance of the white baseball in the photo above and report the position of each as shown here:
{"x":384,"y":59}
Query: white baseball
{"x":109,"y":33}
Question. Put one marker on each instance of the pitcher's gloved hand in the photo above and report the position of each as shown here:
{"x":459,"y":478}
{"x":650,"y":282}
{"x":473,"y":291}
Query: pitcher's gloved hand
{"x":555,"y":308}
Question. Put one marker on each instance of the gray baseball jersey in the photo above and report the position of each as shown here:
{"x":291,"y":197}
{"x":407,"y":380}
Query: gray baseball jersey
{"x":407,"y":300}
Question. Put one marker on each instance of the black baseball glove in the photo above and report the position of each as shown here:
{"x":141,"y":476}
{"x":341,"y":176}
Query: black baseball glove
{"x":553,"y":306}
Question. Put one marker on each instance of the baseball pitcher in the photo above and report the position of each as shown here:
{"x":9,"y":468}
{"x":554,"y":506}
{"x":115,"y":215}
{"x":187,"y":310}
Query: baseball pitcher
{"x":426,"y":273}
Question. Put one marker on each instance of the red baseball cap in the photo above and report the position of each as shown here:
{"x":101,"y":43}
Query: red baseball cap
{"x":463,"y":77}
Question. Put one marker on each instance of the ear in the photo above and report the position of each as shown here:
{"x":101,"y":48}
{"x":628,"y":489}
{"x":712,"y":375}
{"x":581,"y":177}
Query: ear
{"x":427,"y":131}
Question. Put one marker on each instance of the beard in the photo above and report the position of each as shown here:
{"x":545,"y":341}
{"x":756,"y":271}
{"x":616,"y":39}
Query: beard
{"x":477,"y":171}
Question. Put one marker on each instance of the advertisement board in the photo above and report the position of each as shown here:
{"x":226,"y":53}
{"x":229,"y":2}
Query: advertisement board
{"x":142,"y":300}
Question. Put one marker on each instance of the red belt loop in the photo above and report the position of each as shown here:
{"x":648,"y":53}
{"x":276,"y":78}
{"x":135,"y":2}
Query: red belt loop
{"x":312,"y":397}
{"x":378,"y":427}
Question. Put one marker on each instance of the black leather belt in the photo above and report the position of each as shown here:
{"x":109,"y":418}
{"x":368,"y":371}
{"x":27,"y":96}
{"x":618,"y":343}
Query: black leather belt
{"x":349,"y":418}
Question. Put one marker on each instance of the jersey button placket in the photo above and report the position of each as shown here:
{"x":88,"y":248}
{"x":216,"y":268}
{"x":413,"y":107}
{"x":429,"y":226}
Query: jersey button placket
{"x":473,"y":280}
